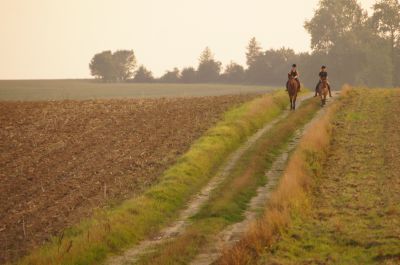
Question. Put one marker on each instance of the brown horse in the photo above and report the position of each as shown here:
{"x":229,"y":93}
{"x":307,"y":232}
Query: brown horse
{"x":323,"y":91}
{"x":293,"y":89}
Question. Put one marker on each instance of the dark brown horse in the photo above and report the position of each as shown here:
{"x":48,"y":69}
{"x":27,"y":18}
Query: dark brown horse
{"x":323,"y":90}
{"x":293,"y":89}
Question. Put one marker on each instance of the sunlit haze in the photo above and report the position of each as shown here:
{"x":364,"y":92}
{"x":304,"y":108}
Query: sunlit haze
{"x":57,"y":38}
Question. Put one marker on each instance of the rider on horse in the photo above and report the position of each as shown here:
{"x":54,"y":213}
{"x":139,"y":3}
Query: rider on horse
{"x":293,"y":73}
{"x":323,"y":75}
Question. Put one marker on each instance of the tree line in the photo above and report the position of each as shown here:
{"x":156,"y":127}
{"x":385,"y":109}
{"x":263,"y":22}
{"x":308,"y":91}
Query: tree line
{"x":358,"y":48}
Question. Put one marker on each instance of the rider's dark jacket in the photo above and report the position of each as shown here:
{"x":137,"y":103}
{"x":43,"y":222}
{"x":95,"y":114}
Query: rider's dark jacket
{"x":293,"y":73}
{"x":323,"y":74}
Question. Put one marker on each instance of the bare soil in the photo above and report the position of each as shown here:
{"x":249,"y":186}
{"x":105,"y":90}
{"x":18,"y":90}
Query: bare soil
{"x":62,"y":160}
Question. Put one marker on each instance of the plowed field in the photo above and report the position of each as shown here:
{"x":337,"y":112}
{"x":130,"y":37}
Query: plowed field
{"x":60,"y":161}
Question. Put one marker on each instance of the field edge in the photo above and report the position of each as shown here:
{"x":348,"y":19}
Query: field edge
{"x":109,"y":232}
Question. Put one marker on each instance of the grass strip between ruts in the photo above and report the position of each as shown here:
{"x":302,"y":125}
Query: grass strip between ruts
{"x":229,"y":201}
{"x":304,"y":164}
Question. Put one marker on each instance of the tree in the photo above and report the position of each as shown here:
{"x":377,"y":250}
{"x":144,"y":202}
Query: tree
{"x":278,"y":63}
{"x":340,"y":38}
{"x":171,"y":76}
{"x":267,"y":67}
{"x":209,"y":68}
{"x":234,"y":73}
{"x":189,"y":75}
{"x":271,"y":67}
{"x":206,"y":55}
{"x":386,"y":21}
{"x":253,"y":51}
{"x":397,"y":65}
{"x":332,"y":20}
{"x":102,"y":67}
{"x":377,"y":69}
{"x":110,"y":66}
{"x":256,"y":73}
{"x":143,"y":75}
{"x":124,"y":64}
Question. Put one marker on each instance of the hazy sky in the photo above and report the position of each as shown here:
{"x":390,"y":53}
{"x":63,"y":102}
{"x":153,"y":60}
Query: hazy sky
{"x":57,"y":38}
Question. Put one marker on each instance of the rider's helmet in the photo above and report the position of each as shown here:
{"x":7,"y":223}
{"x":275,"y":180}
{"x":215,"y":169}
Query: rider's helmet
{"x":323,"y":67}
{"x":294,"y":65}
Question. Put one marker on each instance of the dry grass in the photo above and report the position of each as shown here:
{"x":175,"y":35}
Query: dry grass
{"x":353,"y":215}
{"x":291,"y":194}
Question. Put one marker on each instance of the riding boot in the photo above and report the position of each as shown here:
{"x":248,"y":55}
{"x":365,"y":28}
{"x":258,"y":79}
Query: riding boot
{"x":287,"y":86}
{"x":316,"y":90}
{"x":298,"y":81}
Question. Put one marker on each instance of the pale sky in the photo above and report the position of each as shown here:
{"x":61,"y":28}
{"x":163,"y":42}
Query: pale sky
{"x":57,"y":38}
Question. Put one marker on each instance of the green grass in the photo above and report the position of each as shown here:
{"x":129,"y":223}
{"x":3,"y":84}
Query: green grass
{"x":229,"y":201}
{"x":290,"y":194}
{"x":138,"y":218}
{"x":33,"y":90}
{"x":354,"y":205}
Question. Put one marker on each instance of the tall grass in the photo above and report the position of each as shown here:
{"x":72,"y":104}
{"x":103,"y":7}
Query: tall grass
{"x":291,"y":194}
{"x":111,"y":231}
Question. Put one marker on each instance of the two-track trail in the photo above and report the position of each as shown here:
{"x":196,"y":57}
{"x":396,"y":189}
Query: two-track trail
{"x":234,"y":233}
{"x":179,"y":226}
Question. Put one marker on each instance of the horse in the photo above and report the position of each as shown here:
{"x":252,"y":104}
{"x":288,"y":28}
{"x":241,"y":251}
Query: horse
{"x":323,"y":90}
{"x":293,"y":89}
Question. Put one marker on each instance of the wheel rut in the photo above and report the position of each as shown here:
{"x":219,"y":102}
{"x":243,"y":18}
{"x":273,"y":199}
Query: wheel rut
{"x":234,"y":233}
{"x":176,"y":228}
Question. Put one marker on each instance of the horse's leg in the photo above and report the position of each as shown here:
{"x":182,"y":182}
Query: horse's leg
{"x":321,"y":97}
{"x":291,"y":103}
{"x":294,"y":101}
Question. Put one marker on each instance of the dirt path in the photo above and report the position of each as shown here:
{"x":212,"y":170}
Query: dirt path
{"x":193,"y":207}
{"x":233,"y":233}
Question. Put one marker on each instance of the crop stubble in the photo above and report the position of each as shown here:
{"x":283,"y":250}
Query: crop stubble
{"x":62,"y":160}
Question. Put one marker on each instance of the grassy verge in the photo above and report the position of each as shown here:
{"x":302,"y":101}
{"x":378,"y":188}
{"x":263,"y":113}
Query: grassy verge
{"x":291,"y":192}
{"x":109,"y":232}
{"x":231,"y":198}
{"x":354,"y":204}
